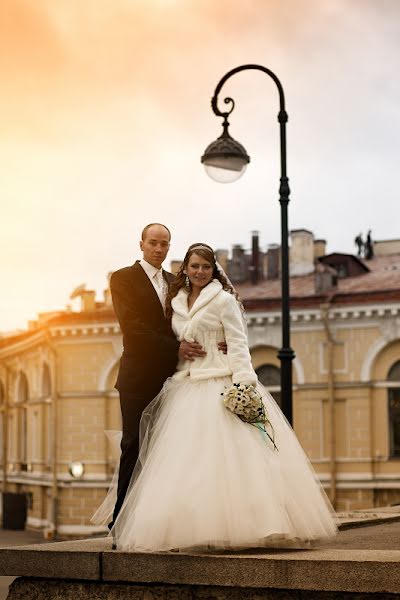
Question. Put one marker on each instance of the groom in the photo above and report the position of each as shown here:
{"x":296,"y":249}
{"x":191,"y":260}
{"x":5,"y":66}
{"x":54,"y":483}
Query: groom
{"x":150,"y":348}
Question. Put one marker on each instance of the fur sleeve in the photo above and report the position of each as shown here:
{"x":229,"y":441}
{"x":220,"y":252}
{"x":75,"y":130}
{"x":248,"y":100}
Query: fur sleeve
{"x":236,"y":339}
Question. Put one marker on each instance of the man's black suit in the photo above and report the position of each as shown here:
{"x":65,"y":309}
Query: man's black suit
{"x":149,"y":358}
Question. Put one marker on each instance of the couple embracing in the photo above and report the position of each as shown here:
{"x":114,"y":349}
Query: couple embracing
{"x":192,"y":475}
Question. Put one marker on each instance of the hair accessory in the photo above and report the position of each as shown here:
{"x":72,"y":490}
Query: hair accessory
{"x":201,"y":247}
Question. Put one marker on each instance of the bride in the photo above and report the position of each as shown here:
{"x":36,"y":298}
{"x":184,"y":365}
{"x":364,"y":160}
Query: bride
{"x":205,"y":479}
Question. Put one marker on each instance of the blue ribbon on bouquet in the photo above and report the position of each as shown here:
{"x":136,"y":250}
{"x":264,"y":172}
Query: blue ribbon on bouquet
{"x":264,"y":433}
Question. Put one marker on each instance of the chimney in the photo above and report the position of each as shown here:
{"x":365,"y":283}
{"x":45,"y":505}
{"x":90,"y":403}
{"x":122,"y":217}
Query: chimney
{"x":175,"y":265}
{"x":255,"y":258}
{"x":237,"y":252}
{"x":222,"y":258}
{"x":107,"y":291}
{"x":319,"y":249}
{"x":107,"y":297}
{"x":386,"y":247}
{"x":301,"y":252}
{"x":238,"y":265}
{"x":325,"y":278}
{"x":88,"y":300}
{"x":273,"y":261}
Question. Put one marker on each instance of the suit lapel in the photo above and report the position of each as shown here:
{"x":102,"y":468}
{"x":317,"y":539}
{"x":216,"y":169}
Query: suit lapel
{"x":169,"y":277}
{"x":144,"y":282}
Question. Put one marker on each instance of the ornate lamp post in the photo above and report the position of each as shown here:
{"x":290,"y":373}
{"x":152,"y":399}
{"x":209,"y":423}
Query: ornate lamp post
{"x":225,"y":160}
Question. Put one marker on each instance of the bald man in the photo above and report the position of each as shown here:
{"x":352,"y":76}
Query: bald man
{"x":150,"y":348}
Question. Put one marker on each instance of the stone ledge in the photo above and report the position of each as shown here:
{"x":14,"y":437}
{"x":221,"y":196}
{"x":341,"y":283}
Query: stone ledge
{"x":64,"y":560}
{"x":368,"y":516}
{"x":362,"y":571}
{"x":367,"y":521}
{"x":329,"y":570}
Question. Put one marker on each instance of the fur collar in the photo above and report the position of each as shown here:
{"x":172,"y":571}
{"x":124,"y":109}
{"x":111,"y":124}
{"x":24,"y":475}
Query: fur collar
{"x":180,"y":305}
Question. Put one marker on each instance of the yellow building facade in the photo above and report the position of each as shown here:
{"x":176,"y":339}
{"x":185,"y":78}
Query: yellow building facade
{"x":57,"y":393}
{"x":345,"y":331}
{"x":344,"y":384}
{"x":57,"y":398}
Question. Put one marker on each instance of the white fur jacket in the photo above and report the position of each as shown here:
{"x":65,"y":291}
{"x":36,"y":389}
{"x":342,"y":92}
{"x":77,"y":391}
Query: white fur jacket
{"x":214,"y":317}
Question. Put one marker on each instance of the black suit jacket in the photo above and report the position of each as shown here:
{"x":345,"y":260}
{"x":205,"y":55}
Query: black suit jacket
{"x":150,"y":347}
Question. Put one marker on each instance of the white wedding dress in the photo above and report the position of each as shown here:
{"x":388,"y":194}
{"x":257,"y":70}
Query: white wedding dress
{"x":206,"y":480}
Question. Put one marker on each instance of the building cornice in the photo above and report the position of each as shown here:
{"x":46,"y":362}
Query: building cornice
{"x":338,"y":313}
{"x":259,"y":313}
{"x":314,"y":301}
{"x":85,"y":330}
{"x":58,"y":332}
{"x":16,"y":347}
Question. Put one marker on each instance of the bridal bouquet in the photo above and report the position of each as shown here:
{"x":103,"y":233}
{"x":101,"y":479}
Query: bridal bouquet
{"x":246,"y":402}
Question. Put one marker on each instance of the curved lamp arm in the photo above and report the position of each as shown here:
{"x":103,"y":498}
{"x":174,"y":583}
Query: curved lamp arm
{"x":282,"y":115}
{"x":285,"y":354}
{"x":246,"y":68}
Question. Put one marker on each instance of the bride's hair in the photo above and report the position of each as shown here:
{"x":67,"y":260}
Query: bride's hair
{"x":206,"y":252}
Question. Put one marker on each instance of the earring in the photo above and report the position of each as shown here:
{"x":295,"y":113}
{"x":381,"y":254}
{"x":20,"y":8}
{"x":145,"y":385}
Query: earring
{"x":187,"y":282}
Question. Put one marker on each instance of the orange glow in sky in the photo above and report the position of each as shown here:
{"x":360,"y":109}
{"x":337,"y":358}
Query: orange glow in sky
{"x":105,"y":112}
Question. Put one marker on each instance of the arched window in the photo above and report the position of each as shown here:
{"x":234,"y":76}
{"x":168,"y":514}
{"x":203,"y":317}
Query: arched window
{"x":112,"y":377}
{"x":22,"y":399}
{"x":22,"y":390}
{"x":270,"y":376}
{"x":394,"y":409}
{"x":46,"y":381}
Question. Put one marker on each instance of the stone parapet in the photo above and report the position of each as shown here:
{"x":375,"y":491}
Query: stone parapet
{"x":40,"y":589}
{"x":56,"y":560}
{"x":90,"y":569}
{"x":368,"y":517}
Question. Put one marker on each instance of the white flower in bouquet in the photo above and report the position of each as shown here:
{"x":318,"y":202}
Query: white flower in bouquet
{"x":246,"y":402}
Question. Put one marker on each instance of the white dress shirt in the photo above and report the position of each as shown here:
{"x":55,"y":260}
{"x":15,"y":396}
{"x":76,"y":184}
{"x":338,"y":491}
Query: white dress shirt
{"x":157,"y":280}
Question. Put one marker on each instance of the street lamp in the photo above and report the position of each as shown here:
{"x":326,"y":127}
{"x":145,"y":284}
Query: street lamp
{"x":225,"y":160}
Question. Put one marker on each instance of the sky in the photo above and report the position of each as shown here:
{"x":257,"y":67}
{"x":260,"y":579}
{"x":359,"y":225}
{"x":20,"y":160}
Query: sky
{"x":105,"y":113}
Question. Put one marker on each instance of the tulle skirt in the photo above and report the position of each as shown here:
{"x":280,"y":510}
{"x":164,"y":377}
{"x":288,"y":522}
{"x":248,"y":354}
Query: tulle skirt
{"x":206,"y":480}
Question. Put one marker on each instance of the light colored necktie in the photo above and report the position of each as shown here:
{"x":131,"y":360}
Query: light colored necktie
{"x":162,"y":286}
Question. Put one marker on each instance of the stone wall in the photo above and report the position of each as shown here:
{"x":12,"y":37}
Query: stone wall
{"x":47,"y":589}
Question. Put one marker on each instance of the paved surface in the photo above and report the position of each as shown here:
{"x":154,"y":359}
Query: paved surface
{"x":371,"y":537}
{"x":15,"y":538}
{"x":350,"y":519}
{"x":375,"y":537}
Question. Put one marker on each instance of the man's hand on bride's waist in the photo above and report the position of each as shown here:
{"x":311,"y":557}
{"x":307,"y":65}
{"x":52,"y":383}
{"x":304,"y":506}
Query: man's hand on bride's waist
{"x":223,"y":347}
{"x":192,"y":350}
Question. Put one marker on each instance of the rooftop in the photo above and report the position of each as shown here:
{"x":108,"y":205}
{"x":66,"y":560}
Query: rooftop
{"x":381,"y":282}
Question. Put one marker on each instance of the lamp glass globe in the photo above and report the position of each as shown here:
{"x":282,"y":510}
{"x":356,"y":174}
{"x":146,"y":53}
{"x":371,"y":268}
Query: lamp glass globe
{"x":225,"y":169}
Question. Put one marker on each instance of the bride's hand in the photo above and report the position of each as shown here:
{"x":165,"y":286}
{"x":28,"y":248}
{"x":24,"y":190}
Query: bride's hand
{"x":190,"y":350}
{"x":223,"y":347}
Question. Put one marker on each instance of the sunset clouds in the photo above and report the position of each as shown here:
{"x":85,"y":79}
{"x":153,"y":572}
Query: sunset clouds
{"x":104,"y":113}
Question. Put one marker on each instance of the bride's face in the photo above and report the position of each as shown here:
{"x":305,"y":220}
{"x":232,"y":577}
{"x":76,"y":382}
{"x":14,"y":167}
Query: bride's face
{"x":199,"y":271}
